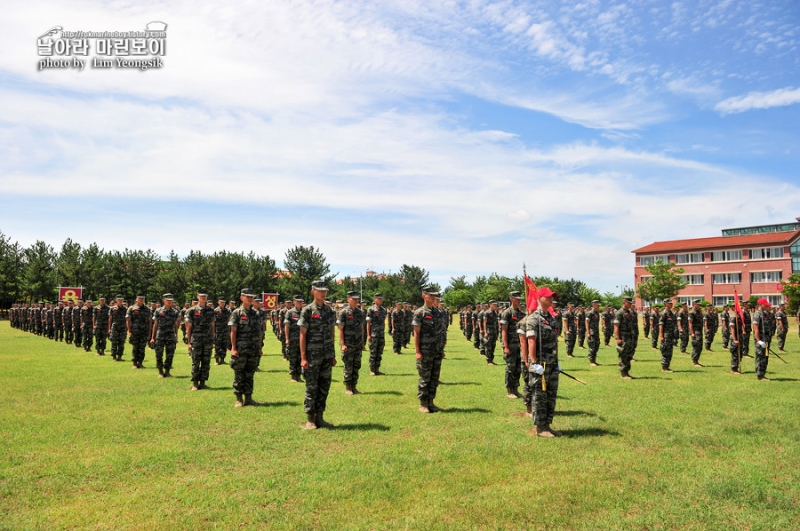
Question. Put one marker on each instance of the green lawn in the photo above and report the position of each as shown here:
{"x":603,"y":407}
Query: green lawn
{"x":92,"y":444}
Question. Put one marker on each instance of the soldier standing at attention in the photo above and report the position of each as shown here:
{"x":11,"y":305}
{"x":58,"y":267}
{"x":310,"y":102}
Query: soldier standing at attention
{"x":646,"y":321}
{"x":735,"y":327}
{"x":222,"y":338}
{"x":246,"y":333}
{"x":317,"y":354}
{"x":746,"y":331}
{"x":118,"y":329}
{"x":683,"y":327}
{"x":782,"y":323}
{"x":725,"y":321}
{"x":427,"y":345}
{"x":186,"y":307}
{"x":635,"y":329}
{"x":164,"y":335}
{"x":87,"y":323}
{"x":593,"y":329}
{"x":138,"y":322}
{"x":761,"y":328}
{"x":509,"y":324}
{"x":608,"y":324}
{"x":100,"y":325}
{"x":292,"y":334}
{"x":398,"y":327}
{"x":655,"y":319}
{"x":350,"y":321}
{"x":77,"y":311}
{"x":624,"y":334}
{"x":408,"y":317}
{"x":570,"y":329}
{"x":281,"y":319}
{"x":477,"y":317}
{"x":490,"y":322}
{"x":376,"y":318}
{"x":263,"y":317}
{"x":542,"y":362}
{"x":200,"y":328}
{"x":710,"y":325}
{"x":66,"y":322}
{"x":468,"y":323}
{"x":580,"y":323}
{"x":696,"y":331}
{"x":49,"y":323}
{"x":667,"y":327}
{"x":58,"y":322}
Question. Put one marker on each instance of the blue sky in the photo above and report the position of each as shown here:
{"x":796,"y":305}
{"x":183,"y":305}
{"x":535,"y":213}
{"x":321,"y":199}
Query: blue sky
{"x":464,"y":137}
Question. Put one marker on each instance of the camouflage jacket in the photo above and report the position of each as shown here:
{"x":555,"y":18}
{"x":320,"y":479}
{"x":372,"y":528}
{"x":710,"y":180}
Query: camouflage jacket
{"x":140,"y":319}
{"x":512,"y":318}
{"x":248,"y":329}
{"x":318,"y":322}
{"x":352,"y":321}
{"x":593,"y":321}
{"x":118,"y":317}
{"x":399,"y":320}
{"x":201,"y":318}
{"x":426,"y":319}
{"x":542,"y":327}
{"x":221,"y":318}
{"x":670,"y":323}
{"x":624,"y":318}
{"x":376,"y":316}
{"x":101,"y":316}
{"x":164,"y":320}
{"x":292,"y":318}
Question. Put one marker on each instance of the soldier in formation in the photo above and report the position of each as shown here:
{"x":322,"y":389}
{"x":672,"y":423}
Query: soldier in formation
{"x":782,"y":323}
{"x":200,"y":329}
{"x":710,"y":326}
{"x":510,"y":321}
{"x":164,"y":334}
{"x":683,"y":327}
{"x":541,"y":359}
{"x":608,"y":325}
{"x":350,"y":322}
{"x":291,"y":332}
{"x":668,"y":333}
{"x":489,"y":325}
{"x":398,"y":327}
{"x":593,"y":330}
{"x":580,"y":324}
{"x":695,"y":319}
{"x":119,"y":328}
{"x":138,"y":322}
{"x":763,"y":329}
{"x":101,"y":325}
{"x":246,"y":350}
{"x":655,"y":318}
{"x":317,"y":355}
{"x":222,"y":337}
{"x":376,"y":322}
{"x":429,"y":349}
{"x":570,"y":329}
{"x":624,"y":333}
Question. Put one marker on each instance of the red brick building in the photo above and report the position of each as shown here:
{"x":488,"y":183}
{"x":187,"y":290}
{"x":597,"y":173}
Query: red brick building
{"x":752,"y":260}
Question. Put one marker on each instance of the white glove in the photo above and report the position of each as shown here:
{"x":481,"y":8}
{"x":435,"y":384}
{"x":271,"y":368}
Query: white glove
{"x":761,"y":344}
{"x":559,"y":367}
{"x":538,"y":369}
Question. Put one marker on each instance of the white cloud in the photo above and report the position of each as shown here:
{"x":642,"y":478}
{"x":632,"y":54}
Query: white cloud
{"x":759,"y":100}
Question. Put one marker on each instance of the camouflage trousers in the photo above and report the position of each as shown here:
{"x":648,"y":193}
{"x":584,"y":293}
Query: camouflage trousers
{"x":781,"y":339}
{"x":735,"y":355}
{"x":594,"y":345}
{"x":762,"y":360}
{"x":352,"y":363}
{"x":569,"y":340}
{"x":429,"y":369}
{"x":654,"y":339}
{"x":168,"y":345}
{"x":118,"y":334}
{"x":697,"y":347}
{"x":726,"y":337}
{"x":646,"y":329}
{"x":407,"y":335}
{"x":376,"y":345}
{"x":88,"y":339}
{"x":476,"y":339}
{"x":666,"y":351}
{"x":544,"y":400}
{"x":468,"y":333}
{"x":527,"y":390}
{"x":746,"y":344}
{"x":318,"y":384}
{"x":100,"y":337}
{"x":78,"y":340}
{"x":139,"y":341}
{"x":293,"y":355}
{"x":684,"y":340}
{"x":244,"y":368}
{"x":221,"y":345}
{"x":59,"y":333}
{"x":201,"y":358}
{"x":513,"y":367}
{"x":398,"y":339}
{"x":489,"y":347}
{"x":69,"y":334}
{"x":606,"y":336}
{"x":51,"y":331}
{"x":625,"y":353}
{"x":581,"y":337}
{"x":709,"y":338}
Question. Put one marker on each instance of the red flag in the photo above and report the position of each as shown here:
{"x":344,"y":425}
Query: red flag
{"x":270,"y":300}
{"x":532,"y":301}
{"x":736,"y":306}
{"x":70,"y":294}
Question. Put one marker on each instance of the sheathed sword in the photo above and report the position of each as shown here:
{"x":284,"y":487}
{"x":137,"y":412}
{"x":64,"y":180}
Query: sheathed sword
{"x":776,"y":354}
{"x":570,"y":376}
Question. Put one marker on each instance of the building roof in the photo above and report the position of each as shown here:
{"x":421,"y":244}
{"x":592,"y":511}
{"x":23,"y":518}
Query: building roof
{"x":719,"y":242}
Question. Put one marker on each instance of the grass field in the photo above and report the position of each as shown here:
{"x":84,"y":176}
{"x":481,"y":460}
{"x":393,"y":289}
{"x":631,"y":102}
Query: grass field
{"x":92,"y":444}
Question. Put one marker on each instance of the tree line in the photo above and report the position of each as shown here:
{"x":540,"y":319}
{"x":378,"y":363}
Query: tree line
{"x":34,"y":273}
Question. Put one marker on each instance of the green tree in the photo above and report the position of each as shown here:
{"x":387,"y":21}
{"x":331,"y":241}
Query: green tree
{"x":611,"y":299}
{"x":791,"y":290}
{"x":40,"y":271}
{"x":413,"y":279}
{"x":588,"y":294}
{"x":664,"y":283}
{"x":12,"y":266}
{"x":68,"y":263}
{"x":305,"y":265}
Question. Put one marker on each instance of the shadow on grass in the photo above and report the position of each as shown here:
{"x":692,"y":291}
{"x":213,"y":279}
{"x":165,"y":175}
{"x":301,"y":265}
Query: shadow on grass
{"x":276,"y":370}
{"x":784,"y":379}
{"x":180,"y":377}
{"x":209,"y":388}
{"x":399,"y":374}
{"x":459,"y":359}
{"x":460,"y":383}
{"x":576,"y":414}
{"x":465,"y":410}
{"x":278,"y":404}
{"x":363,"y":427}
{"x":590,"y":432}
{"x":395,"y":393}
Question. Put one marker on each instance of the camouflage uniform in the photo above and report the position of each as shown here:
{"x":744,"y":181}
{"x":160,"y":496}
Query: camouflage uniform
{"x":696,"y":319}
{"x":101,"y":313}
{"x":608,"y":325}
{"x":280,"y":319}
{"x":201,"y":317}
{"x":710,"y":326}
{"x":87,"y":312}
{"x":476,"y":329}
{"x":580,"y":318}
{"x":468,"y":325}
{"x":66,"y":316}
{"x":765,"y":322}
{"x":377,"y":317}
{"x":655,"y":319}
{"x":291,"y":318}
{"x":222,"y":340}
{"x":593,"y":326}
{"x":118,"y":331}
{"x":726,"y":332}
{"x":624,"y":318}
{"x":352,"y":321}
{"x":318,"y":321}
{"x":511,"y":319}
{"x":140,"y":331}
{"x":646,"y":321}
{"x":543,"y":328}
{"x":490,"y":325}
{"x":430,"y":366}
{"x":58,"y":326}
{"x":735,"y":322}
{"x":164,"y":320}
{"x":669,"y":321}
{"x":408,"y":317}
{"x":783,"y":321}
{"x":635,"y":328}
{"x":748,"y":330}
{"x":398,"y":329}
{"x":683,"y":329}
{"x":50,"y":326}
{"x":569,"y":331}
{"x":76,"y":326}
{"x":248,"y":347}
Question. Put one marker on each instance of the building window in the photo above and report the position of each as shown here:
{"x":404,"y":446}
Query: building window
{"x":726,"y":278}
{"x":766,"y":276}
{"x":647,"y":260}
{"x":694,"y":280}
{"x":774,"y":300}
{"x":766,"y":253}
{"x":722,"y":300}
{"x":794,"y":251}
{"x":689,"y":258}
{"x":726,"y":256}
{"x":688,"y":300}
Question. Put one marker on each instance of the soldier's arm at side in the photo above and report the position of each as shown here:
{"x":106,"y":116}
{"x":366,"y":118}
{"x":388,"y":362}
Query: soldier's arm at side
{"x":128,"y":324}
{"x":341,"y":337}
{"x":504,"y":332}
{"x":416,"y":342}
{"x":109,"y":322}
{"x":616,"y":333}
{"x":303,"y":360}
{"x":234,"y":350}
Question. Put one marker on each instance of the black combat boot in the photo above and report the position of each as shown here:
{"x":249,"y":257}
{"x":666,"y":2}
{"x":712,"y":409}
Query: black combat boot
{"x":320,"y":422}
{"x":239,"y":402}
{"x":423,"y":406}
{"x":311,"y":423}
{"x":248,"y":401}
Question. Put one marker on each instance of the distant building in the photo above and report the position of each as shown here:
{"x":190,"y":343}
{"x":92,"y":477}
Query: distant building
{"x":753,"y":260}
